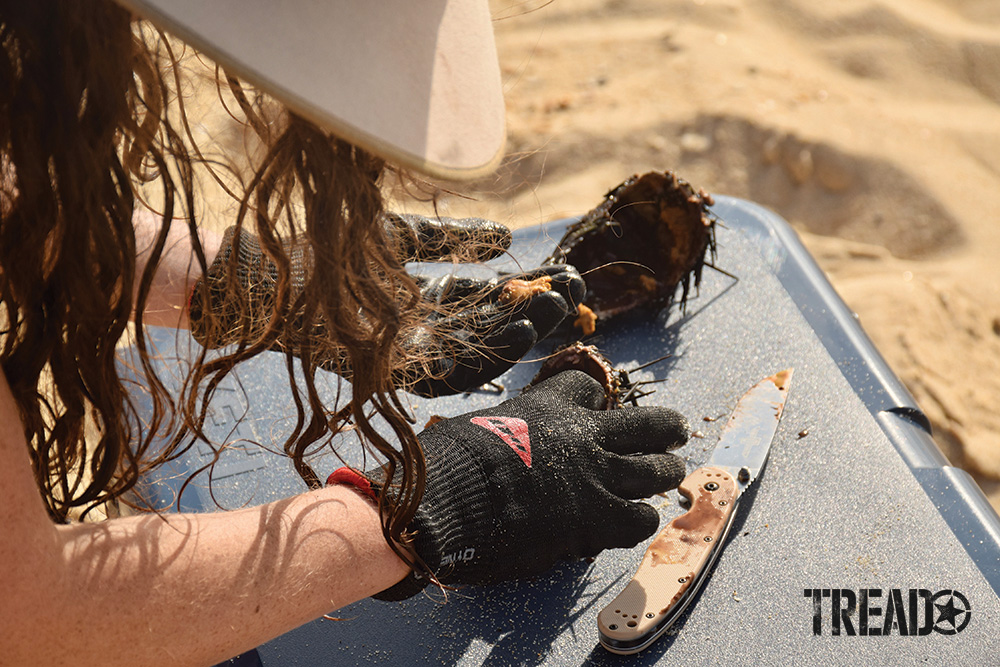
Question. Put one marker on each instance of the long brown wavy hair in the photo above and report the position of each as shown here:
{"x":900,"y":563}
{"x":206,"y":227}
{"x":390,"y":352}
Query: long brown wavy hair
{"x":91,"y":115}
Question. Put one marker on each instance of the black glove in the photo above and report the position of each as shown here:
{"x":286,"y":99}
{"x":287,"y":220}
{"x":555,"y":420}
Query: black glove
{"x":421,"y":239}
{"x":492,"y":331}
{"x":459,"y":351}
{"x":487,"y":332}
{"x":417,"y":239}
{"x":540,"y":478}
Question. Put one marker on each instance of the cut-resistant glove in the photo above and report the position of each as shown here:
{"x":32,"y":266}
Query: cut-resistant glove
{"x":482,"y":332}
{"x":422,"y":239}
{"x":543,"y":477}
{"x":479,"y":332}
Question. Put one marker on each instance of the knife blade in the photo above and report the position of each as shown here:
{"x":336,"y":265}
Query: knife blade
{"x":678,"y":560}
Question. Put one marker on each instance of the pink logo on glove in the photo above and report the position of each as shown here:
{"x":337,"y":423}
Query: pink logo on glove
{"x":511,"y":430}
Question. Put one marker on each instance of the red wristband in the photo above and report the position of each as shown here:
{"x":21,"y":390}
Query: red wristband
{"x":353,"y":478}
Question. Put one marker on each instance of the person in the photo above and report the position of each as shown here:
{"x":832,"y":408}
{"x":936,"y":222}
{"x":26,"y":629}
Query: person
{"x":100,"y":227}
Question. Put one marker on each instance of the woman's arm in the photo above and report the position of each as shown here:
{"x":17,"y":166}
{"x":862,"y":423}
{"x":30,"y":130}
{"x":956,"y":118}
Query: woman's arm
{"x":177,"y":272}
{"x":181,"y":588}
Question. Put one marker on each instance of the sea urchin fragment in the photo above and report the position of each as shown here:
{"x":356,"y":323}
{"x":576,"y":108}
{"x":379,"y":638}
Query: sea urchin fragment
{"x":649,"y":236}
{"x":590,"y":360}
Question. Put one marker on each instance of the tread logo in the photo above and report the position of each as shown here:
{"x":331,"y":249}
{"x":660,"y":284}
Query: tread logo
{"x":916,"y":611}
{"x":512,"y":431}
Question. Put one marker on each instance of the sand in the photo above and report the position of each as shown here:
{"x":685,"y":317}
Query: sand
{"x":873,"y":127}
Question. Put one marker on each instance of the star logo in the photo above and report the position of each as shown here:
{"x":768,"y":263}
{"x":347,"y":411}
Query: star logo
{"x":953,"y":612}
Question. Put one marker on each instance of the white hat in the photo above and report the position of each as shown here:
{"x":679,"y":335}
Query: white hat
{"x":414,"y":81}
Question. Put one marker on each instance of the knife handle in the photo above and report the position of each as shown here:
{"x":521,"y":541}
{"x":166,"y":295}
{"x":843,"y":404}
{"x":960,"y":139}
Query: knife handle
{"x":674,"y":562}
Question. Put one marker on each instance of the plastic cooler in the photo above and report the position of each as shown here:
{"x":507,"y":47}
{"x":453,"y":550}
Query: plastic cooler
{"x":855,"y":504}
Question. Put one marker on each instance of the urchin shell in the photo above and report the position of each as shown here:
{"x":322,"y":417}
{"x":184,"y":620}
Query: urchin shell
{"x":650,"y":236}
{"x":590,"y":360}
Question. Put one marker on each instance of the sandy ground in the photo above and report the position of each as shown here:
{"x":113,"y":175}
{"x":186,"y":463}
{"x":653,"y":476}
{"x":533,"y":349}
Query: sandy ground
{"x":873,"y":126}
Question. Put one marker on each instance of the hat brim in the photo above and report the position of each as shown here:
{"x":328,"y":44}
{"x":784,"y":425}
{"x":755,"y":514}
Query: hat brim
{"x":417,"y":83}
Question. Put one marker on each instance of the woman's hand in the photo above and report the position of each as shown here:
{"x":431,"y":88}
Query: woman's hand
{"x":482,"y":332}
{"x":540,"y":478}
{"x":475,"y":331}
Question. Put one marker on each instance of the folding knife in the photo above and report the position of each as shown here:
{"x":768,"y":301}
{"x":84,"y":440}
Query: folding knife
{"x":678,"y":560}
